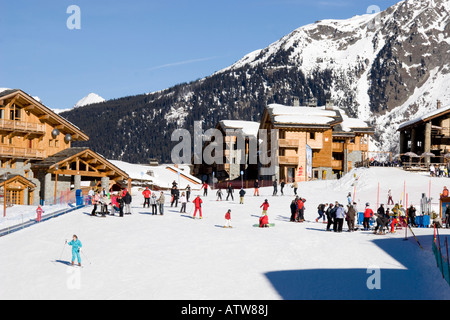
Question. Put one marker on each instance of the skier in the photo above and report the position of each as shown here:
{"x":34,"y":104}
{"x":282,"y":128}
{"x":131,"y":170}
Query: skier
{"x":349,"y":198}
{"x":282,"y":187}
{"x":76,"y":245}
{"x":265,"y":206}
{"x":368,"y":213}
{"x":256,"y":185}
{"x":275,"y":186}
{"x":321,"y":211}
{"x":39,"y":213}
{"x":293,"y":210}
{"x":127,"y":202}
{"x":295,"y":186}
{"x":183,"y":203}
{"x":351,"y":215}
{"x":241,"y":196}
{"x":339,"y":221}
{"x":188,"y":192}
{"x":264,"y":221}
{"x":175,"y":195}
{"x":219,"y":194}
{"x":230,"y":191}
{"x":330,"y":213}
{"x":161,"y":201}
{"x":198,"y":206}
{"x":227,"y":219}
{"x":390,"y":201}
{"x":300,"y":209}
{"x":412,"y":215}
{"x":382,"y":222}
{"x":146,"y":194}
{"x":114,"y":204}
{"x":95,"y":199}
{"x":153,"y":203}
{"x":205,"y":189}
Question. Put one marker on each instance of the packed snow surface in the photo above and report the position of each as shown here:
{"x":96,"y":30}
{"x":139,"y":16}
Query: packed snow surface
{"x":144,"y":256}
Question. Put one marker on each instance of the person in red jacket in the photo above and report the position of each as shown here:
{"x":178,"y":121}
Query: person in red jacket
{"x":300,"y":209}
{"x":39,"y":213}
{"x":198,"y":206}
{"x":368,"y":213}
{"x":147,"y":193}
{"x":205,"y":189}
{"x":227,"y":219}
{"x":265,"y":206}
{"x":264,"y":221}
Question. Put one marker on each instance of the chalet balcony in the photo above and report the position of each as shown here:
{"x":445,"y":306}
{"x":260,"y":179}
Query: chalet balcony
{"x":21,"y":153}
{"x":338,"y":147}
{"x":288,"y":143}
{"x":337,"y":164}
{"x":288,"y":160}
{"x":21,"y":126}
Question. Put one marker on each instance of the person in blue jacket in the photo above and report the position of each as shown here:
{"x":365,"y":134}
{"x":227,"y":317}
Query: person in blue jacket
{"x":76,"y":245}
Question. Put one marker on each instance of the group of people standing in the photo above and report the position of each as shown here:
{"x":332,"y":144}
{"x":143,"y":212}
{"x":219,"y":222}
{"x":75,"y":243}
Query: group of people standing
{"x":110,"y":202}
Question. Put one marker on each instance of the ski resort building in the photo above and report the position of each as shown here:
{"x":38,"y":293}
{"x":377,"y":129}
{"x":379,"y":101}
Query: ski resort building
{"x":234,"y":161}
{"x":37,"y":160}
{"x":315,"y":142}
{"x":426,"y":137}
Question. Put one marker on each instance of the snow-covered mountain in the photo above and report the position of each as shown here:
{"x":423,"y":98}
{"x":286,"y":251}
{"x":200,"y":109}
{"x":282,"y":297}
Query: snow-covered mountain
{"x":91,"y":98}
{"x":384,"y":68}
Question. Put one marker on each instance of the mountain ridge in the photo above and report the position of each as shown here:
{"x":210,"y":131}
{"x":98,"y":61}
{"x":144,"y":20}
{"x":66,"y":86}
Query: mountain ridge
{"x":383,"y":68}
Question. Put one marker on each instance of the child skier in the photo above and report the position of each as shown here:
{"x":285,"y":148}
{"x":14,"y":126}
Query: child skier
{"x":265,"y":206}
{"x":39,"y":213}
{"x":219,"y":194}
{"x":76,"y":245}
{"x":264,"y":221}
{"x":227,"y":219}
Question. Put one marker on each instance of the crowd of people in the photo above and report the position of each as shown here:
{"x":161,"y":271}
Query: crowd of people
{"x":332,"y":214}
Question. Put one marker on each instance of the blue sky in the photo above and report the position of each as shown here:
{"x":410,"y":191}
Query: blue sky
{"x":132,"y":47}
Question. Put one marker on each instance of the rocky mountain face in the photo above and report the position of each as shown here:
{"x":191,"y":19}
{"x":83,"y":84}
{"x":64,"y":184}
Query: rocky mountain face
{"x":384,"y":68}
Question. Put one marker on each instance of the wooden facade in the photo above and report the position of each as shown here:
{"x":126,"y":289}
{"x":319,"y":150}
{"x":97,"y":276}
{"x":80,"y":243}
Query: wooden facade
{"x":324,"y":130}
{"x":32,"y":136}
{"x":427,"y":136}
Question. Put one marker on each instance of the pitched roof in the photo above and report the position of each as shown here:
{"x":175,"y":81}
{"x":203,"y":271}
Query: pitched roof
{"x":42,"y":109}
{"x":424,"y":118}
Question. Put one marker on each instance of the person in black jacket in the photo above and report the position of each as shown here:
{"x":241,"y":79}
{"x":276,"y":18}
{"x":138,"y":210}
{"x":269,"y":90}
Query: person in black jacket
{"x":256,"y":185}
{"x":175,"y":195}
{"x":230,"y":192}
{"x":293,"y":210}
{"x":127,"y":202}
{"x":329,"y":213}
{"x":282,"y":187}
{"x":275,"y":187}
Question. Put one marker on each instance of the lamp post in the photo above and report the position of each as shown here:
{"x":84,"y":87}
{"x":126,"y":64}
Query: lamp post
{"x":5,"y":177}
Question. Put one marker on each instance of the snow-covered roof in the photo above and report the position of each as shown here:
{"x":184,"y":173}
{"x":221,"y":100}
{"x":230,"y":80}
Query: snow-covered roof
{"x":249,"y":128}
{"x":425,"y":117}
{"x":309,"y":116}
{"x":162,"y":175}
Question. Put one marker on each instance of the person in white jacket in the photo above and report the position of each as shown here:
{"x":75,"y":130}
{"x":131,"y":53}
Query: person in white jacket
{"x":183,"y":200}
{"x":153,"y":203}
{"x":340,"y":215}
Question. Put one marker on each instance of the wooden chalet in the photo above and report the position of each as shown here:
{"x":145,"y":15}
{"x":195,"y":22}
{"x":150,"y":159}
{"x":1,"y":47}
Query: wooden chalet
{"x":35,"y":144}
{"x":426,"y":137}
{"x":315,"y":142}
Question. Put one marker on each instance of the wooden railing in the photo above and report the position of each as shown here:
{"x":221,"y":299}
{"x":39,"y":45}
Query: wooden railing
{"x":288,"y":143}
{"x":22,"y":126}
{"x":288,"y":160}
{"x":337,"y":164}
{"x":21,"y":153}
{"x":338,"y":147}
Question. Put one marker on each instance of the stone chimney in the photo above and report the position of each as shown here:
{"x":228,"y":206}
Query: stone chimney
{"x":296,"y":102}
{"x":439,"y":104}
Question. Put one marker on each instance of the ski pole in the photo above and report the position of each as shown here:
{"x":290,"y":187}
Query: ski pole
{"x":64,"y":247}
{"x":84,"y":255}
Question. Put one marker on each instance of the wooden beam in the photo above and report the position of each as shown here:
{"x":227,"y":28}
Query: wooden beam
{"x":44,"y":117}
{"x":81,"y":173}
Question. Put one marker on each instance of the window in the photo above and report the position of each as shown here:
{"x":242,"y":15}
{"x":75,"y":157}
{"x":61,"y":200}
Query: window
{"x":312,"y":135}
